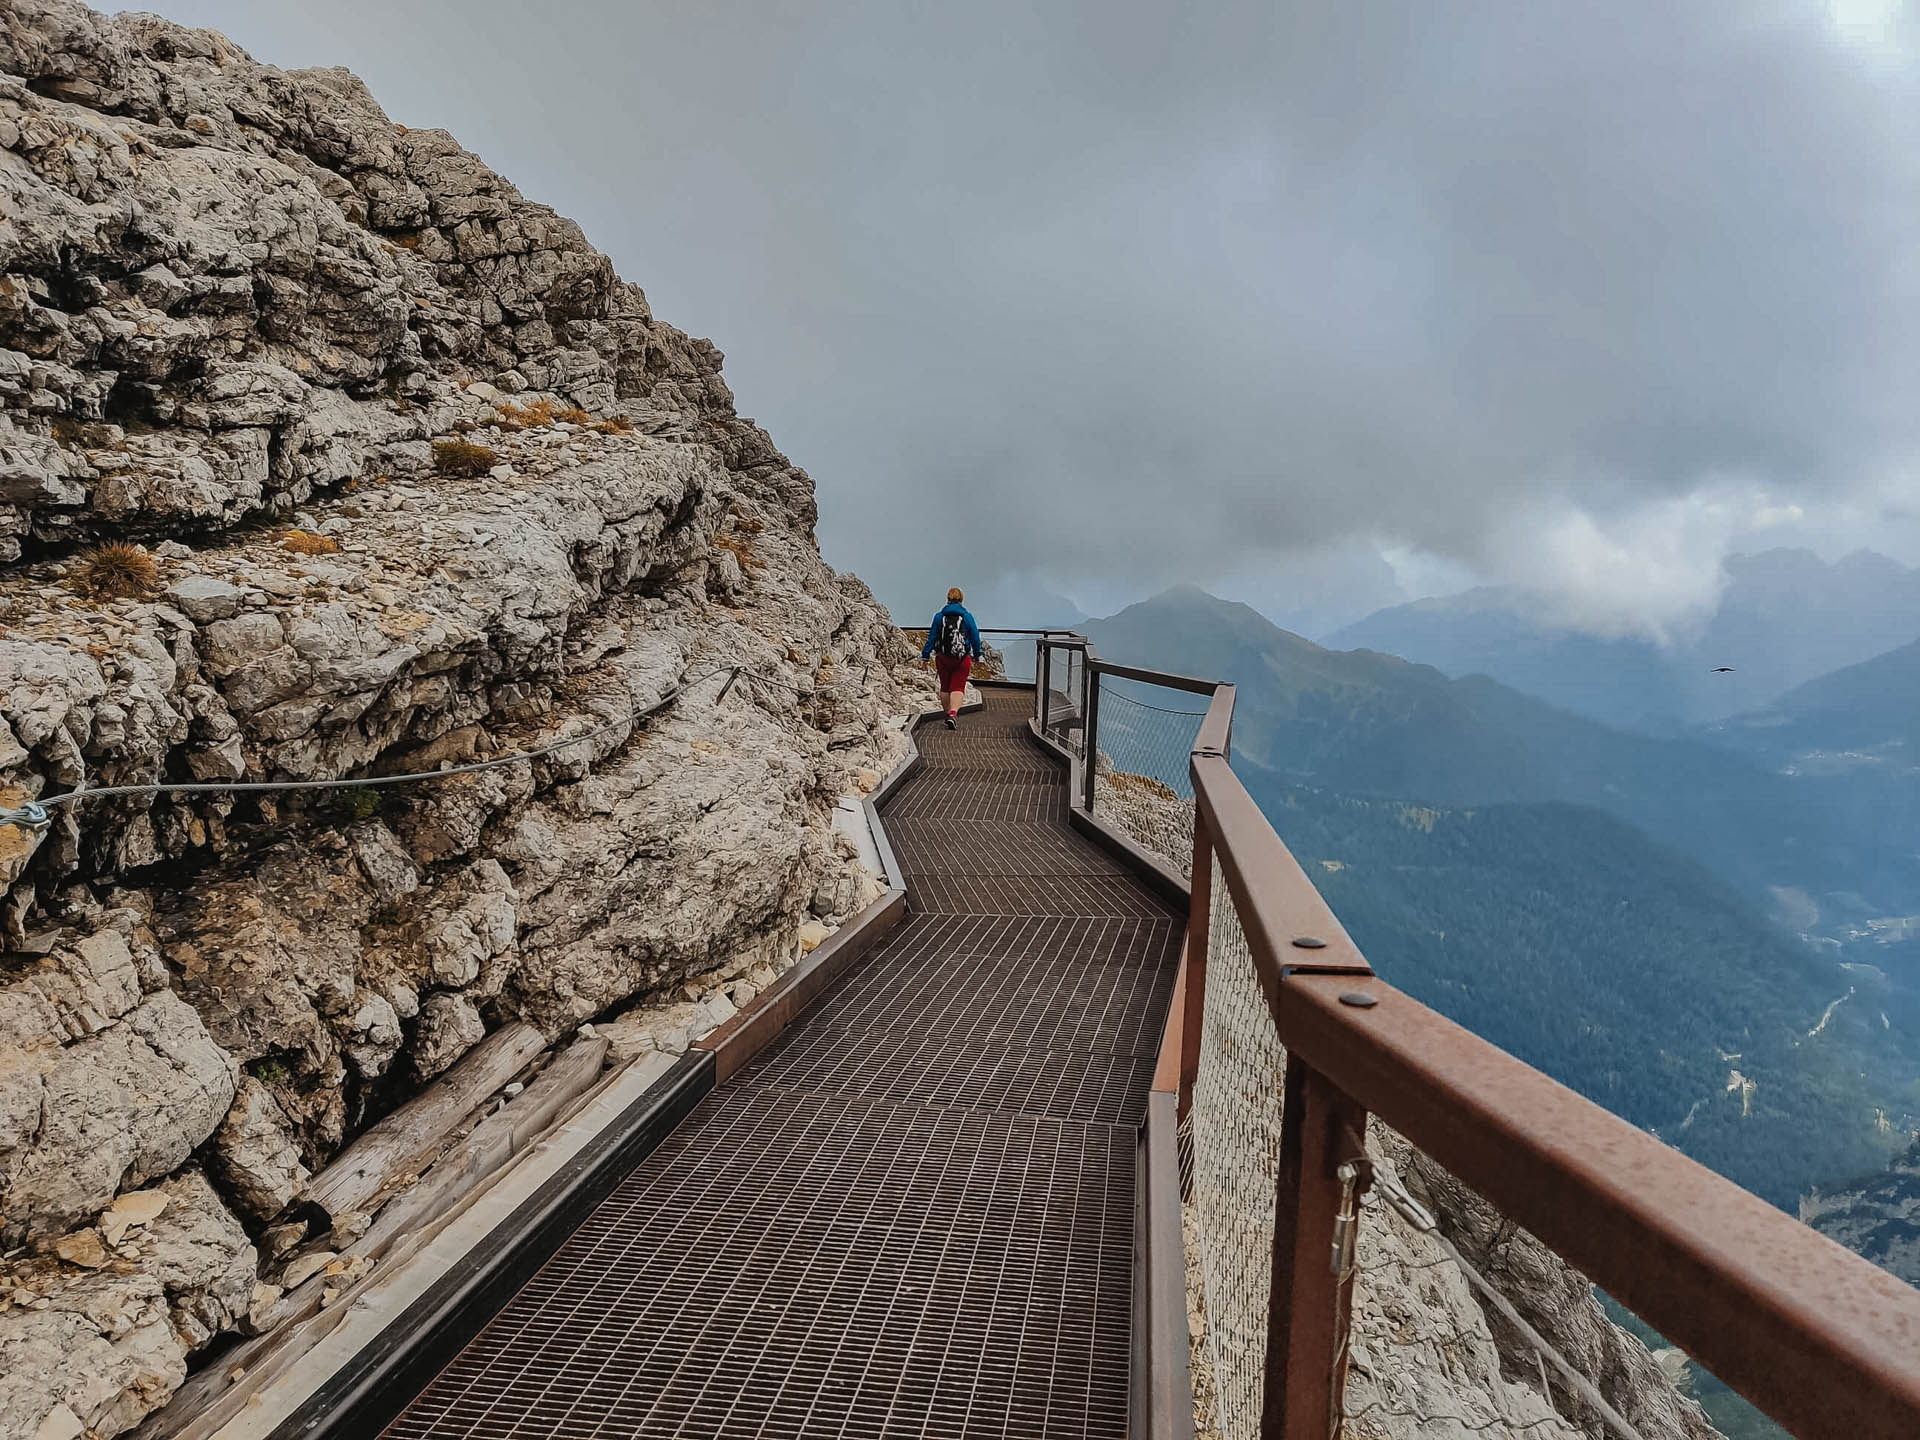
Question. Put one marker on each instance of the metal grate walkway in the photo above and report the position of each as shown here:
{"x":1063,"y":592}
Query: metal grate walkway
{"x":912,"y":1215}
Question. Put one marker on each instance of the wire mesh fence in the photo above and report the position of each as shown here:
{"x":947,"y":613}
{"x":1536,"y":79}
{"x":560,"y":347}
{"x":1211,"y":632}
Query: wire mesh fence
{"x":1232,"y":1159}
{"x":1424,"y":1357}
{"x":1461,"y":1323}
{"x":1009,"y":657}
{"x":1064,"y":699}
{"x":1143,"y":736}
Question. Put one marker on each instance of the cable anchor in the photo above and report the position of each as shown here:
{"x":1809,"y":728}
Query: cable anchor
{"x":1410,"y":1209}
{"x":30,"y":816}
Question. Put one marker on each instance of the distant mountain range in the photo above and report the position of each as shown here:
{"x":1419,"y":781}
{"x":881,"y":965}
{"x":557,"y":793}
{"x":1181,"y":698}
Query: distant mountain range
{"x":1367,"y":723}
{"x":1785,"y":617}
{"x":1020,"y":601}
{"x":1590,"y":898}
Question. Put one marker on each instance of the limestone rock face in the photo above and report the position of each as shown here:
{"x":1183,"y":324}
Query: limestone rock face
{"x":1424,"y":1361}
{"x":102,"y":1347}
{"x":202,"y":1256}
{"x":1430,"y":1358}
{"x":116,"y":1108}
{"x":254,"y":1155}
{"x":1560,"y":1304}
{"x":420,"y":483}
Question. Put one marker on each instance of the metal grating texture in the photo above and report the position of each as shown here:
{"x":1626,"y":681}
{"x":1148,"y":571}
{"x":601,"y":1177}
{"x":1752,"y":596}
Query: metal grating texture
{"x":978,"y":847}
{"x":953,"y":795}
{"x":948,"y":894}
{"x":911,"y":1215}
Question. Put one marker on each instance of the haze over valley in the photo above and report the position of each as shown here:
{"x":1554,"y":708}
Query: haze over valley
{"x":1707,"y":929}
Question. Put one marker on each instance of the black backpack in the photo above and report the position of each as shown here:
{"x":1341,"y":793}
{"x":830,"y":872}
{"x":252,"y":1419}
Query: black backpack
{"x":953,"y":635}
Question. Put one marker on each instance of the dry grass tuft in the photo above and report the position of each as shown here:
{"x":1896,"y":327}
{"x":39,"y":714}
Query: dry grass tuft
{"x":572,"y":415}
{"x":514,"y":416}
{"x":1125,"y":782}
{"x":113,"y":572}
{"x":463,"y":458}
{"x":305,"y":542}
{"x":741,"y":548}
{"x":613,"y":425}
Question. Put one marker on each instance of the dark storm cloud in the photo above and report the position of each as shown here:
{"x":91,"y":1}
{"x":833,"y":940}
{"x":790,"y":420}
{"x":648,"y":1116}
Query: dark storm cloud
{"x":1167,"y":289}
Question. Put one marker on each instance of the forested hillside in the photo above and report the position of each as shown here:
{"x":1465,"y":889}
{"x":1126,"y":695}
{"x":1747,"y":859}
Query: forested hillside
{"x":1623,"y":969}
{"x":1370,"y":724}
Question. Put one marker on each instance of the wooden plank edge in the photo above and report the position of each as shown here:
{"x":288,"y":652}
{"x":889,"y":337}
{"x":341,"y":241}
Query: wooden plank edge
{"x":364,"y":1395}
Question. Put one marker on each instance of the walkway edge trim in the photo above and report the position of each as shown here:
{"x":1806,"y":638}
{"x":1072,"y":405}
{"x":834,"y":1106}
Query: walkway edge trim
{"x":759,"y":1023}
{"x":364,"y":1395}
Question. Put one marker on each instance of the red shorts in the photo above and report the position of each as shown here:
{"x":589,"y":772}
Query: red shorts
{"x":953,"y":671}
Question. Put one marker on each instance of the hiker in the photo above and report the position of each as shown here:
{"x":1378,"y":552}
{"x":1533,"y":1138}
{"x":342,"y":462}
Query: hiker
{"x":953,"y":641}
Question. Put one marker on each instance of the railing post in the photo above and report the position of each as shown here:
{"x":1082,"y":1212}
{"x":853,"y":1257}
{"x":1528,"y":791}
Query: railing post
{"x":1045,"y":686}
{"x":1320,"y":1130}
{"x":1089,"y":726}
{"x":1199,"y":934}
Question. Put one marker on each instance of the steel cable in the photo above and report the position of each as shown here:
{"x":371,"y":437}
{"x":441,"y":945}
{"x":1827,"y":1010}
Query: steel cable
{"x":37,"y":814}
{"x":1416,"y":1215}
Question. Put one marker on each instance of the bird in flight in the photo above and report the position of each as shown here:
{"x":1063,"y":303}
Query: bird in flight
{"x":1723,"y":669}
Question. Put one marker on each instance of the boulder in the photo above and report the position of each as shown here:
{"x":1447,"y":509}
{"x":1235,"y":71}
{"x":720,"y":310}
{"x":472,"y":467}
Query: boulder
{"x":102,"y":1351}
{"x":253,"y":1154}
{"x":202,"y":598}
{"x":119,"y":1108}
{"x":448,"y":1027}
{"x":202,"y":1256}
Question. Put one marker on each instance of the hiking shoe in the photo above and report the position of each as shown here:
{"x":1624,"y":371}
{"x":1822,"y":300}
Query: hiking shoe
{"x":952,"y":724}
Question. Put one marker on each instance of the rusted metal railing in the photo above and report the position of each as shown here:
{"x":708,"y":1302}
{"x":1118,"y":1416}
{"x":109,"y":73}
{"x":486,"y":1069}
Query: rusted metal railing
{"x":1820,"y":1339}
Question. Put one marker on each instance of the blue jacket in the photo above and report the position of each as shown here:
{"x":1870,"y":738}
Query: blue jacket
{"x":966,"y":624}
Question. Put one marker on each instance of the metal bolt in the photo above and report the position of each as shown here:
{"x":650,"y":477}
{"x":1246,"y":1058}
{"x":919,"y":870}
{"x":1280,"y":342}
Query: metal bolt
{"x":1308,"y":942}
{"x":1359,"y":999}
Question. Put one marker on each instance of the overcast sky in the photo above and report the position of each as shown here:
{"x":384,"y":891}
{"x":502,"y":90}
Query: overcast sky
{"x":1314,"y":304}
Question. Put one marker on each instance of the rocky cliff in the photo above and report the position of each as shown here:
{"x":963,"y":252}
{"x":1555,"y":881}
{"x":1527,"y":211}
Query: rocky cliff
{"x":325,"y":453}
{"x":1877,"y":1216}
